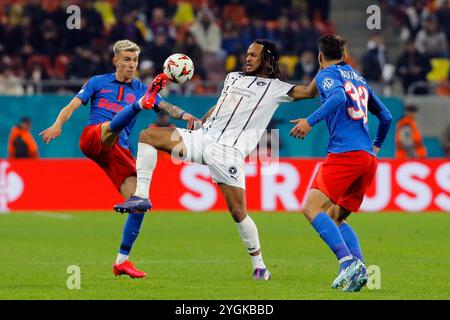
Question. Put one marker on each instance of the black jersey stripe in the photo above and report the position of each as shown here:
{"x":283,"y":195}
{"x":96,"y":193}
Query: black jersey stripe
{"x":224,"y":98}
{"x":231,"y":117}
{"x":251,"y":114}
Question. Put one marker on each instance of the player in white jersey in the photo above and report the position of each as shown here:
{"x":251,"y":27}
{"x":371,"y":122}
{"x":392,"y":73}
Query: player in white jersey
{"x":230,"y":130}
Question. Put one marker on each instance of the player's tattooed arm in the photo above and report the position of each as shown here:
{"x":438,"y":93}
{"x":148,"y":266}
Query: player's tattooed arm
{"x":179,"y":114}
{"x":303,"y":92}
{"x":208,"y":114}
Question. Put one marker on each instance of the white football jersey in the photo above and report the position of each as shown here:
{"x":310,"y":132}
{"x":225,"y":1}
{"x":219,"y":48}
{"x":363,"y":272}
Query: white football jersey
{"x":244,"y":109}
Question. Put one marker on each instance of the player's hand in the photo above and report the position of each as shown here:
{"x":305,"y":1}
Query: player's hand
{"x":301,"y":128}
{"x":51,"y":133}
{"x":192,"y":122}
{"x":376,"y":149}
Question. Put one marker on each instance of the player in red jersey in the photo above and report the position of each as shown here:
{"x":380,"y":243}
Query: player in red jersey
{"x":116,"y":100}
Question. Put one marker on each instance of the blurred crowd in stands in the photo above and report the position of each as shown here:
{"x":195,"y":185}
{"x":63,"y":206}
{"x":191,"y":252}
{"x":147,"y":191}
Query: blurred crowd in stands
{"x":424,"y":32}
{"x":36,"y":45}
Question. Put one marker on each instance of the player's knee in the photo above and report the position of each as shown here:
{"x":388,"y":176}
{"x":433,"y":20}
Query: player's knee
{"x":238,"y":214}
{"x":148,"y":136}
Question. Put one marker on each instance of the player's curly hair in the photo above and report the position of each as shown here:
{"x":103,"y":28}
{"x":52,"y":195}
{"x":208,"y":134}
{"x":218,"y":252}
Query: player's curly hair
{"x":125,"y":45}
{"x":270,"y":58}
{"x":332,"y":47}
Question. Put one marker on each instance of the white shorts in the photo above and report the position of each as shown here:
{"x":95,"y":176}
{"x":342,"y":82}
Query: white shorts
{"x":226,"y":164}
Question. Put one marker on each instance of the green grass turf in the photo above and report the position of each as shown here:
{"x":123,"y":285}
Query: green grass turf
{"x":200,"y":256}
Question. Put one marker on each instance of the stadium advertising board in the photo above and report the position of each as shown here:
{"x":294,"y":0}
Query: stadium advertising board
{"x":79,"y":184}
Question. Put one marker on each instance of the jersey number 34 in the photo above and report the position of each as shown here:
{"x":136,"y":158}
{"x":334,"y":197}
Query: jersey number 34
{"x":360,"y":97}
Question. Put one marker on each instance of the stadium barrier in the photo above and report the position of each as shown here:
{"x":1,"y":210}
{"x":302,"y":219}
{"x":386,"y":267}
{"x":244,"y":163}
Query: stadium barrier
{"x":79,"y":184}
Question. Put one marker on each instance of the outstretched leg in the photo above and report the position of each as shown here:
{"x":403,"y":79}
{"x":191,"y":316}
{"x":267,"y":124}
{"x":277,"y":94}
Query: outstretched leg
{"x":235,"y":199}
{"x":150,"y":141}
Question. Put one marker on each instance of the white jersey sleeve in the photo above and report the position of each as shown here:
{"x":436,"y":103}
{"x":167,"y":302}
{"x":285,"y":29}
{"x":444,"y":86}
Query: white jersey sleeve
{"x":280,"y":91}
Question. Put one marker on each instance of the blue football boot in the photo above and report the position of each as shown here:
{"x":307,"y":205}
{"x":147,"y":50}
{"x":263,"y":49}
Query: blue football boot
{"x":261,"y":274}
{"x":347,"y":272}
{"x":359,"y":281}
{"x":133,"y":205}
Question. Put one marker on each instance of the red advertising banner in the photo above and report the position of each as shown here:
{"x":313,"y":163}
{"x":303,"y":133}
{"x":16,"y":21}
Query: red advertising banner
{"x":80,"y":184}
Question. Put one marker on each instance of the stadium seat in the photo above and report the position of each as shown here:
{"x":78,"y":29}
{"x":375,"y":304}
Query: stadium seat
{"x":61,"y":63}
{"x":290,"y":62}
{"x":230,"y":63}
{"x":42,"y":60}
{"x":440,"y":69}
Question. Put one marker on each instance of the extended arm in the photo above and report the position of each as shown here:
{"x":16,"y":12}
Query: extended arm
{"x":303,"y":92}
{"x":377,"y":108}
{"x":303,"y":126}
{"x":64,"y":115}
{"x":179,"y":114}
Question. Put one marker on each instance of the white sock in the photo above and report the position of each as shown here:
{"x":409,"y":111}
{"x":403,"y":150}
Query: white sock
{"x":249,"y":236}
{"x":145,"y":164}
{"x":121,"y":258}
{"x":258,"y":262}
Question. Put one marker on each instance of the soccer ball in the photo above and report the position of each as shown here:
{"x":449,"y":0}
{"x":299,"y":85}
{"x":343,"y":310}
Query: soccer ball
{"x":179,"y":68}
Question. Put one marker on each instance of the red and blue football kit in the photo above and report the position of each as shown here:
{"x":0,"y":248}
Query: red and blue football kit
{"x":108,"y":96}
{"x":351,"y":163}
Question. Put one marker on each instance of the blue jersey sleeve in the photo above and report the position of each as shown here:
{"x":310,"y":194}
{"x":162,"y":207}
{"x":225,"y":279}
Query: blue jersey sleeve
{"x":377,"y":108}
{"x":337,"y":98}
{"x":87,"y":91}
{"x":327,"y":81}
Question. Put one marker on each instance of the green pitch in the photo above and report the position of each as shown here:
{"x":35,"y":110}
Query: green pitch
{"x":200,"y":256}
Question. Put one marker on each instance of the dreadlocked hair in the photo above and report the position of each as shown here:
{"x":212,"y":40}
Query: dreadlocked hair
{"x":270,"y":58}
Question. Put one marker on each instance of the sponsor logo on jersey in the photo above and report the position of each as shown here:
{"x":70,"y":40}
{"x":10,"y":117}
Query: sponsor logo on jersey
{"x":105,"y":91}
{"x":106,"y":104}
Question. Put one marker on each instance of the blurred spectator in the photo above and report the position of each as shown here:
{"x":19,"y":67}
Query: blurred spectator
{"x":193,"y":50}
{"x":408,"y":139}
{"x":445,"y":140}
{"x":77,"y":38}
{"x":231,"y":39}
{"x":411,"y":67}
{"x":431,"y":41}
{"x":159,"y":23}
{"x":83,"y":64}
{"x":158,"y":51}
{"x":319,"y":8}
{"x":50,"y":43}
{"x":374,"y":60}
{"x":307,"y":36}
{"x":146,"y":71}
{"x":285,"y":35}
{"x":206,"y":32}
{"x":307,"y":67}
{"x":21,"y":143}
{"x":10,"y":84}
{"x":443,"y":16}
{"x":256,"y":29}
{"x":126,"y":29}
{"x":415,"y":14}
